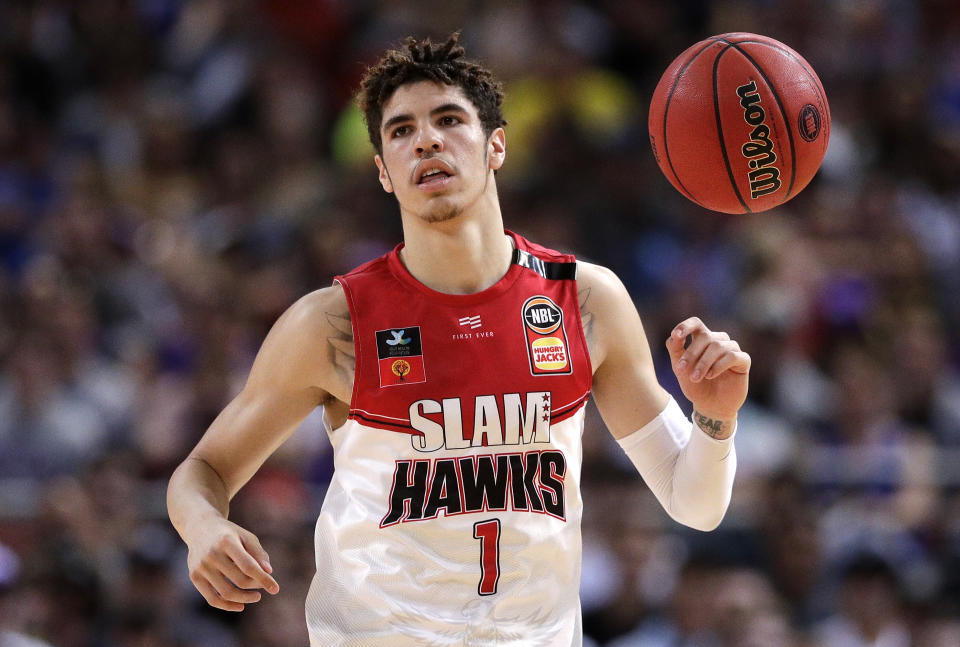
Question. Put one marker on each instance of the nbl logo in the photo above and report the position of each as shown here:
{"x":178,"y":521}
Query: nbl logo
{"x":542,"y":315}
{"x":546,"y":339}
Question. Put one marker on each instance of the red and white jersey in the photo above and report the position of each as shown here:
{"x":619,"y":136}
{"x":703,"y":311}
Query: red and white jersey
{"x":453,"y":516}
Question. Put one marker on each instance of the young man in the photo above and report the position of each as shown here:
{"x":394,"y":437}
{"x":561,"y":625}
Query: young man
{"x":453,"y":373}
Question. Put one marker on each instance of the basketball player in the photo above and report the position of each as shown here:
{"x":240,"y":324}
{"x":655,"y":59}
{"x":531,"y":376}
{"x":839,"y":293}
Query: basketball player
{"x":453,"y":374}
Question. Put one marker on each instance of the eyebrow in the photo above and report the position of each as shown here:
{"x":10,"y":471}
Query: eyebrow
{"x":447,"y":107}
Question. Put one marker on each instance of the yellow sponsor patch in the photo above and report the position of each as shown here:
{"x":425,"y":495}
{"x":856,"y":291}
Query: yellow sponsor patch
{"x":549,"y":353}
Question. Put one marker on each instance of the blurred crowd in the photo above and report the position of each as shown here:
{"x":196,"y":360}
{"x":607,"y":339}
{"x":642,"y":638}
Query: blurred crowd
{"x":175,"y":173}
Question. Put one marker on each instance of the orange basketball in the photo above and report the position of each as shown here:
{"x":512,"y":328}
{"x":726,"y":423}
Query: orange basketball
{"x":739,"y":123}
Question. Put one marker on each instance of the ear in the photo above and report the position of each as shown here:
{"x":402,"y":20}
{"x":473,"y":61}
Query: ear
{"x":385,"y":181}
{"x":496,"y":149}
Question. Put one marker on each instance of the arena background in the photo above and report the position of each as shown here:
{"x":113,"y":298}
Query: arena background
{"x":174,"y":174}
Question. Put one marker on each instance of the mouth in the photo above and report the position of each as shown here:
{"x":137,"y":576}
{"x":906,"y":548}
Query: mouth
{"x":432,"y":174}
{"x":435,"y":176}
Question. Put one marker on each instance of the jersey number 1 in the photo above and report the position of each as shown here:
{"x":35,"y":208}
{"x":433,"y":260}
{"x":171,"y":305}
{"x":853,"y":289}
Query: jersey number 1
{"x":488,"y":532}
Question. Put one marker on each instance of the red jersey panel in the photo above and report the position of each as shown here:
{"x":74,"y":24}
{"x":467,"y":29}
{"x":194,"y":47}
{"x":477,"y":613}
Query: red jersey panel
{"x":521,"y":335}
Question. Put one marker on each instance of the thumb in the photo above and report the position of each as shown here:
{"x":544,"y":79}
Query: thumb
{"x":676,"y":343}
{"x":252,"y":544}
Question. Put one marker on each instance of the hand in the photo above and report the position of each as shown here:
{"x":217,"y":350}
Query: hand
{"x":711,"y":369}
{"x":226,"y":563}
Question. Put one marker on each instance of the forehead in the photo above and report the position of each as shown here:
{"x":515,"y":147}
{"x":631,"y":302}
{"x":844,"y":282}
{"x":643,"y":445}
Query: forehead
{"x":424,"y":96}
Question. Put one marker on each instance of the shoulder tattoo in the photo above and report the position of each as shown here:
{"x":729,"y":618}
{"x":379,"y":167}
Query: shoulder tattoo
{"x":340,"y":350}
{"x":586,"y":315}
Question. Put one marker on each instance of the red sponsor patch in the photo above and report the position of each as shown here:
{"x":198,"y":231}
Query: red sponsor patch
{"x":402,"y":370}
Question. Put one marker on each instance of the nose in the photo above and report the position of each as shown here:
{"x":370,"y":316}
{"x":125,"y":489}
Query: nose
{"x":428,"y":139}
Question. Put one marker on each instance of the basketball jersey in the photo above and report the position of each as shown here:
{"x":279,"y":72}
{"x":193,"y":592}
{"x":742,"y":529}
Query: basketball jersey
{"x":453,"y":515}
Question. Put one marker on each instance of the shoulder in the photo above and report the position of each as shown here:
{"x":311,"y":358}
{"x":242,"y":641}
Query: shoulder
{"x":601,"y":284}
{"x":311,"y":343}
{"x":313,"y":308}
{"x":604,"y":301}
{"x":298,"y":340}
{"x":312,"y":316}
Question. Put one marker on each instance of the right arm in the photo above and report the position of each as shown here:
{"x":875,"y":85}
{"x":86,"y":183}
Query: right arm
{"x":305,"y":361}
{"x":689,"y":469}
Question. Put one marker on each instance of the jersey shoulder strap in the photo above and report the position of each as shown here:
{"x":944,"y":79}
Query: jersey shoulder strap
{"x":549,"y":264}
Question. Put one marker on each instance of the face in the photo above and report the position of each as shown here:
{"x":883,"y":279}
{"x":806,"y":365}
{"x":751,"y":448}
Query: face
{"x":436,"y":158}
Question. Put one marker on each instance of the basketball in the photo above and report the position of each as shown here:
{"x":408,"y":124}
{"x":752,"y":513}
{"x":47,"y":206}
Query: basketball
{"x":739,"y":123}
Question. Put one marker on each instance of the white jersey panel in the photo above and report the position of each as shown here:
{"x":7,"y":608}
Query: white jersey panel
{"x":382,"y":581}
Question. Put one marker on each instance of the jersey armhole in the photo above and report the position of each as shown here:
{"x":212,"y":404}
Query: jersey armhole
{"x":583,"y":333}
{"x":357,"y":349}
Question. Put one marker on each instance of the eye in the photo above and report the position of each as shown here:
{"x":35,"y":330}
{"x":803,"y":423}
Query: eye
{"x":400,"y":131}
{"x":449,"y":120}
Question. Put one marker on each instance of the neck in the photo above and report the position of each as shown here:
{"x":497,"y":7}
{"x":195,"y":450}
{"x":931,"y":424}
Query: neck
{"x":463,"y":255}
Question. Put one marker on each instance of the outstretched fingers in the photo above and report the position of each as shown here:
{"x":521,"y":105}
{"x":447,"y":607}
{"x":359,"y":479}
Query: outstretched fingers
{"x":242,"y":556}
{"x":236,"y":575}
{"x":230,"y":569}
{"x":211,"y":595}
{"x":230,"y":591}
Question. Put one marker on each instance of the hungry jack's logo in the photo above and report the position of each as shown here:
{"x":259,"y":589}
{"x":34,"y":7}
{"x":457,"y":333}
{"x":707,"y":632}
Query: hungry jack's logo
{"x":400,"y":355}
{"x":547,"y":346}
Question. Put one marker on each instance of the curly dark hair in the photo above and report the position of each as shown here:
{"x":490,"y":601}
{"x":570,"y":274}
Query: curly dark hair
{"x":425,"y":61}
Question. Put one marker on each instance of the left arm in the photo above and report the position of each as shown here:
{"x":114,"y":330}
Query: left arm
{"x":689,"y":468}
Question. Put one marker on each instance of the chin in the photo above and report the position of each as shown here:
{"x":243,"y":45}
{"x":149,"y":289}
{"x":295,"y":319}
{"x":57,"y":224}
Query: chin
{"x":441,"y":213}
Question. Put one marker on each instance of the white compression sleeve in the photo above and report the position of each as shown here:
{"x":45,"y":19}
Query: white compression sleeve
{"x":690,"y":473}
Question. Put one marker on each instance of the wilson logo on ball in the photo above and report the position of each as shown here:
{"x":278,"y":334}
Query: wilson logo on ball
{"x":764,"y":178}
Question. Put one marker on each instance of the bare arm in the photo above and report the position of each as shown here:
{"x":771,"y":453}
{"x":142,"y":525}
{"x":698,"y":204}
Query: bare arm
{"x":305,"y":361}
{"x":691,"y":474}
{"x":625,"y":385}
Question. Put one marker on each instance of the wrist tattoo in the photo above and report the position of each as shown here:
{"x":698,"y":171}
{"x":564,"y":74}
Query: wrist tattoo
{"x":718,"y":429}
